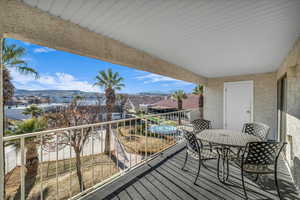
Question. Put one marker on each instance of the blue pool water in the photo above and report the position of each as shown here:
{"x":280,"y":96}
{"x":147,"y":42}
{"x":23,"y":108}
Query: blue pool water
{"x":163,"y":129}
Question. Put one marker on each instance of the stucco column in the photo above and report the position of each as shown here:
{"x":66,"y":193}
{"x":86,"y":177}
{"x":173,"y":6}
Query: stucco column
{"x":2,"y":170}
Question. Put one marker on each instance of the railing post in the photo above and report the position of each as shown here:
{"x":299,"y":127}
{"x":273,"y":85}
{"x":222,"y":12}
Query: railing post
{"x":110,"y":149}
{"x":146,"y":138}
{"x":22,"y":168}
{"x":2,"y":168}
{"x":56,"y":164}
{"x":70,"y":164}
{"x":41,"y":167}
{"x":93,"y":162}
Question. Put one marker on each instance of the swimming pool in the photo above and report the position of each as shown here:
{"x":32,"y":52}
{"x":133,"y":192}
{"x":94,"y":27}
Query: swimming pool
{"x":163,"y":129}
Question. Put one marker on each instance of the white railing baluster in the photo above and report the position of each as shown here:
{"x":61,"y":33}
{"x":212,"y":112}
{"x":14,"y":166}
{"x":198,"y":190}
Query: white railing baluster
{"x":41,"y":167}
{"x":70,"y":164}
{"x":124,"y":164}
{"x":22,"y":168}
{"x":116,"y":146}
{"x":130,"y":143}
{"x":82,"y":148}
{"x":110,"y":149}
{"x":146,"y":138}
{"x":56,"y":173}
{"x":135,"y":141}
{"x":102,"y":141}
{"x":92,"y":149}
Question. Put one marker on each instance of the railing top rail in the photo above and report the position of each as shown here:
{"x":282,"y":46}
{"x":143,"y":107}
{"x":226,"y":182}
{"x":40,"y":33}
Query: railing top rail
{"x":34,"y":134}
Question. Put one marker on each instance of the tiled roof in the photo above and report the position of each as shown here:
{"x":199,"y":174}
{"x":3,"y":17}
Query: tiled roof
{"x":137,"y":100}
{"x":190,"y":102}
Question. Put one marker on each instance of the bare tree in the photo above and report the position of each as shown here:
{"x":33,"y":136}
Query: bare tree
{"x":75,"y":114}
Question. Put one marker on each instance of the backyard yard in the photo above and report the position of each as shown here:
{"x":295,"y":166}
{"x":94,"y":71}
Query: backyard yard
{"x":137,"y":140}
{"x":95,"y":169}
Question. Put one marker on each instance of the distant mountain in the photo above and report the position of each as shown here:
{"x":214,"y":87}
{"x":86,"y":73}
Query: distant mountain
{"x":158,"y":93}
{"x":55,"y":93}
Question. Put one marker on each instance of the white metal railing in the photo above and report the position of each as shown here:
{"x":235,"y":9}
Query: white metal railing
{"x":69,"y":162}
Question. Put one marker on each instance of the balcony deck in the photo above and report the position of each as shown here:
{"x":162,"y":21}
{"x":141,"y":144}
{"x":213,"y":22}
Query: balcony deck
{"x":162,"y":178}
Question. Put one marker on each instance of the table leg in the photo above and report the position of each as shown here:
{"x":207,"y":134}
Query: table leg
{"x":224,"y":161}
{"x":222,"y":164}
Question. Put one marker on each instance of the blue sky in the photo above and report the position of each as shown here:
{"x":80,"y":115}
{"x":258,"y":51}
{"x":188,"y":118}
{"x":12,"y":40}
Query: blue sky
{"x":66,"y":71}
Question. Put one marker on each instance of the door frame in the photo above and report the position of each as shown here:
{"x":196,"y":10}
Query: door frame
{"x":226,"y":84}
{"x":281,"y":108}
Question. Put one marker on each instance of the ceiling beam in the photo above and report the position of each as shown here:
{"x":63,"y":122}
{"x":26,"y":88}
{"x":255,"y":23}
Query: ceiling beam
{"x":22,"y":22}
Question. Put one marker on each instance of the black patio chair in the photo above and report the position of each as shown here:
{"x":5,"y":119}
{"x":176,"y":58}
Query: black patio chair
{"x":261,"y":158}
{"x":257,"y":129}
{"x":197,"y":151}
{"x":200,"y":125}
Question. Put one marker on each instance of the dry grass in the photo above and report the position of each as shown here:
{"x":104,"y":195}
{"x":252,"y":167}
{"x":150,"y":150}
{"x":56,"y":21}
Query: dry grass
{"x":67,"y":180}
{"x":12,"y":182}
{"x":137,"y":143}
{"x":65,"y":166}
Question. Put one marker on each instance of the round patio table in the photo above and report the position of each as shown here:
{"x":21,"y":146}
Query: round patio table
{"x":226,"y":139}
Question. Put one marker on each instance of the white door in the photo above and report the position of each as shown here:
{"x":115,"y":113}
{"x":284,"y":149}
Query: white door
{"x":238,"y":104}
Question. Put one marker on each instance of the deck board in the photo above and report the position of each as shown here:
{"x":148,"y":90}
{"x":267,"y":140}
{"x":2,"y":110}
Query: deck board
{"x":164,"y":179}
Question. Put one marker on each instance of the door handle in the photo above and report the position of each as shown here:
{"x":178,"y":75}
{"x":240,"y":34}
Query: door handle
{"x":248,"y":111}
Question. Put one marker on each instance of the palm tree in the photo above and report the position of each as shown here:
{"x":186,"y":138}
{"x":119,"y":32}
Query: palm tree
{"x":111,"y":82}
{"x":121,"y":101}
{"x":12,"y":58}
{"x":33,"y":110}
{"x":198,"y":90}
{"x":32,"y":159}
{"x":8,"y":87}
{"x":179,"y":96}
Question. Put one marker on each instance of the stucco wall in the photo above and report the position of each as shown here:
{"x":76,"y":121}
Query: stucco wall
{"x":265,"y":101}
{"x":291,"y":67}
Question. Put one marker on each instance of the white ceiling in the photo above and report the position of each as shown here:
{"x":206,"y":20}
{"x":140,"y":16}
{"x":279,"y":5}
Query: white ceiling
{"x":211,"y":38}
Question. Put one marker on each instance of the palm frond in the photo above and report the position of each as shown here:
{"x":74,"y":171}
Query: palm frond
{"x":109,"y":79}
{"x":12,"y":58}
{"x":179,"y":95}
{"x":198,"y":90}
{"x":28,"y":70}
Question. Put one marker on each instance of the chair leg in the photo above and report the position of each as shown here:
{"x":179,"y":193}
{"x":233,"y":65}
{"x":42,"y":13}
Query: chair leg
{"x":186,"y":157}
{"x":198,"y":173}
{"x":218,"y":168}
{"x":256,"y":178}
{"x":204,"y":165}
{"x":243,"y":183}
{"x":227,"y":176}
{"x":277,"y":186}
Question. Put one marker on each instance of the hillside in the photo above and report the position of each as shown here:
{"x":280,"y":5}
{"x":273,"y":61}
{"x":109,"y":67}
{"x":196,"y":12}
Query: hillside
{"x":56,"y":93}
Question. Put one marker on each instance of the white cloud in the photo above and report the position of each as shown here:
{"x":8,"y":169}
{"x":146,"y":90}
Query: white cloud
{"x":43,"y":50}
{"x":58,"y":81}
{"x":154,"y":78}
{"x":27,"y":43}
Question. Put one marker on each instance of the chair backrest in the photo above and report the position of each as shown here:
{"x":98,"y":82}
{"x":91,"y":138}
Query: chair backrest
{"x":262,"y":153}
{"x":200,"y":125}
{"x":257,"y":129}
{"x":191,"y":141}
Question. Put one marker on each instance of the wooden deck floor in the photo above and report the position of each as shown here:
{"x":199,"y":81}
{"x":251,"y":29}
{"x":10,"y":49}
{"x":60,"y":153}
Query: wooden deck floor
{"x":162,"y":178}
